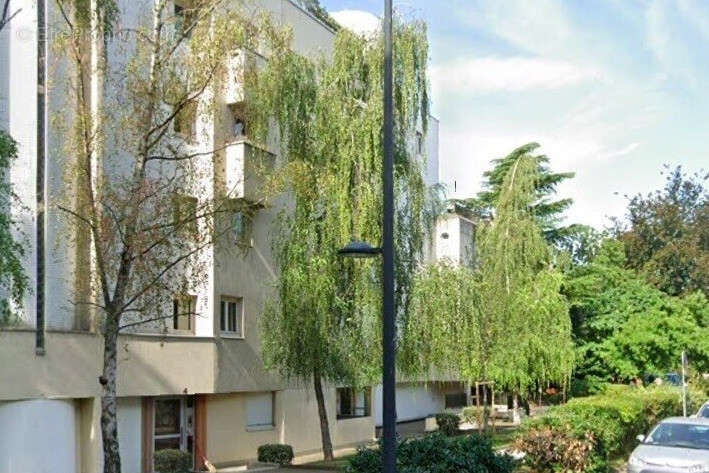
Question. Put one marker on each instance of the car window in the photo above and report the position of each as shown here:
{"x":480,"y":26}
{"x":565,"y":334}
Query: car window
{"x":680,"y":435}
{"x":704,"y":411}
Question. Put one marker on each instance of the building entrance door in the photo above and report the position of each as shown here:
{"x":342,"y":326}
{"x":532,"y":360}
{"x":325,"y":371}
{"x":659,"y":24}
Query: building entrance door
{"x":174,"y":424}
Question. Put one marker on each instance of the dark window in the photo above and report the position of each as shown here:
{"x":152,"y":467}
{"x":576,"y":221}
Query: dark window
{"x":184,"y":213}
{"x":230,"y":320}
{"x":353,"y":402}
{"x":419,"y":142}
{"x":183,"y":312}
{"x":455,"y":400}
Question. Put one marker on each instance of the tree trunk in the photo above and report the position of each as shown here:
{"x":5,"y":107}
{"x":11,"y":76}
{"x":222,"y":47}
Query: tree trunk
{"x":109,"y":422}
{"x":486,"y":410}
{"x":322,"y":413}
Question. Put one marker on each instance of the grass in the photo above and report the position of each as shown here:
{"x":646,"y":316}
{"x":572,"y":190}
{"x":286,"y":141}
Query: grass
{"x":338,"y":463}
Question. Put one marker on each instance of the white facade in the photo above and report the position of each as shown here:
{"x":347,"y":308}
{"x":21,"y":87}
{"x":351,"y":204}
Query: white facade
{"x":222,"y":370}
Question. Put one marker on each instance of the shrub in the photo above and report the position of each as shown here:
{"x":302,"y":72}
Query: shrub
{"x":437,"y":453}
{"x":275,"y":453}
{"x":473,"y":415}
{"x":448,"y":423}
{"x":172,"y":461}
{"x":582,"y":435}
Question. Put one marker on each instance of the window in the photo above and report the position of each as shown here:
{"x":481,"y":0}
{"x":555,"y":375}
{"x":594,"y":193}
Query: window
{"x":184,"y":17}
{"x":353,"y":402}
{"x":185,"y":122}
{"x":183,"y":313}
{"x":455,"y":400}
{"x":184,"y":213}
{"x":419,"y":142}
{"x":241,"y":227}
{"x":259,"y":411}
{"x":231,"y":317}
{"x":238,"y":115}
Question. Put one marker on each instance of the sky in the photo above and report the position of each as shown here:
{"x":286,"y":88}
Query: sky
{"x":611,"y":89}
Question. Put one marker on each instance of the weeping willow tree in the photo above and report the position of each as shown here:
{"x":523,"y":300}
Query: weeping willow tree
{"x":504,"y":320}
{"x":324,"y":325}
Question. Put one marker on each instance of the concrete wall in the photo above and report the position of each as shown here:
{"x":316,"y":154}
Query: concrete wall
{"x":413,"y":401}
{"x":38,"y":436}
{"x":296,"y":423}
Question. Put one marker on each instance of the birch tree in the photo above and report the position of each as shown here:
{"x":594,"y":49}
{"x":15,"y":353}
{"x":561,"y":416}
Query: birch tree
{"x":141,"y":161}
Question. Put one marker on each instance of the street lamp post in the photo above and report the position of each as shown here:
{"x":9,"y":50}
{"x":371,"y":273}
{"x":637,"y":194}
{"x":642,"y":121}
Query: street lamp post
{"x":363,"y":250}
{"x":388,"y":301}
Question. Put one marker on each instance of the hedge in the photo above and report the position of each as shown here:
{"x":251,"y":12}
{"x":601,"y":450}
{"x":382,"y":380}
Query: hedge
{"x":437,"y":453}
{"x":172,"y":461}
{"x":275,"y":453}
{"x":583,"y":435}
{"x":448,"y":423}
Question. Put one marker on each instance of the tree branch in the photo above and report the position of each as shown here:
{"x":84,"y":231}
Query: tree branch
{"x":6,"y":15}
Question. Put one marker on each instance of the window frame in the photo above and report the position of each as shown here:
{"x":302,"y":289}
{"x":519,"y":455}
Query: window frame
{"x":224,"y":302}
{"x":261,"y":427}
{"x":191,"y":314}
{"x":367,"y":397}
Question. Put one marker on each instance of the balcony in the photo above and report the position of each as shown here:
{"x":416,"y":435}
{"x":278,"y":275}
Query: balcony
{"x":236,"y":69}
{"x":246,"y":168}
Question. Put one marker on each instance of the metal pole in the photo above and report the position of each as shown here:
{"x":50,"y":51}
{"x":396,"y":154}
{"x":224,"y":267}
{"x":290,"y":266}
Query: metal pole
{"x":684,"y":384}
{"x":388,"y":302}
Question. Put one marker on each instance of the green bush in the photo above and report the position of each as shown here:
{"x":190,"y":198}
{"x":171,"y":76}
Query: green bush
{"x":437,"y":453}
{"x":448,"y":423}
{"x":584,"y":434}
{"x":473,"y":415}
{"x":172,"y":461}
{"x":275,"y":453}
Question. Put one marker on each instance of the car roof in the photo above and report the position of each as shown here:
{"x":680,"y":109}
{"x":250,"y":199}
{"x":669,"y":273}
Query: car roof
{"x":686,"y":420}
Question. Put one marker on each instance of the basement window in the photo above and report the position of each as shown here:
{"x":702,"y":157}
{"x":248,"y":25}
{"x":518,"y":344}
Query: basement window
{"x":353,"y":403}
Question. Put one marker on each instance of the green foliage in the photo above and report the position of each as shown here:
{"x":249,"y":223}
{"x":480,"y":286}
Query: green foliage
{"x":507,"y":312}
{"x":584,"y":434}
{"x":275,"y":453}
{"x":527,"y":317}
{"x":624,"y":328}
{"x":473,"y":415}
{"x":437,"y":454}
{"x":448,"y":423}
{"x":14,"y":283}
{"x":325,"y":318}
{"x":314,"y":7}
{"x":667,"y":235}
{"x":172,"y":461}
{"x":548,"y":212}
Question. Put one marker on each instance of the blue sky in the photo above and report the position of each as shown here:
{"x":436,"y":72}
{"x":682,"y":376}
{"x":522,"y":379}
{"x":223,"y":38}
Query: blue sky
{"x":611,"y":89}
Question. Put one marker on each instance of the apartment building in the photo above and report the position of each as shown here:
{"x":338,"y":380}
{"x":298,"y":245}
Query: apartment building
{"x":198,"y":386}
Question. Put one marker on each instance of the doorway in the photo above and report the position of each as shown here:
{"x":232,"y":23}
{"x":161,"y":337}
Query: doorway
{"x":173,"y":425}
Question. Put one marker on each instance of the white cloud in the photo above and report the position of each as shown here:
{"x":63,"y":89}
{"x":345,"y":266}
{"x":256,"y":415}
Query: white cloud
{"x":491,"y":74}
{"x":620,"y":152}
{"x":359,"y":21}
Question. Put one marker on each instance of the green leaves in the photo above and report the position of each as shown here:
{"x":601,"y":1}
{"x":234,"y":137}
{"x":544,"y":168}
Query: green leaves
{"x":503,"y":320}
{"x":14,"y":283}
{"x":625,"y":328}
{"x":329,"y":113}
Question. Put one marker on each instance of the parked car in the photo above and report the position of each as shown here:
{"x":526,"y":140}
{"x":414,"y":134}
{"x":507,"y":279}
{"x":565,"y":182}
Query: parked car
{"x":703,"y":411}
{"x":675,"y":445}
